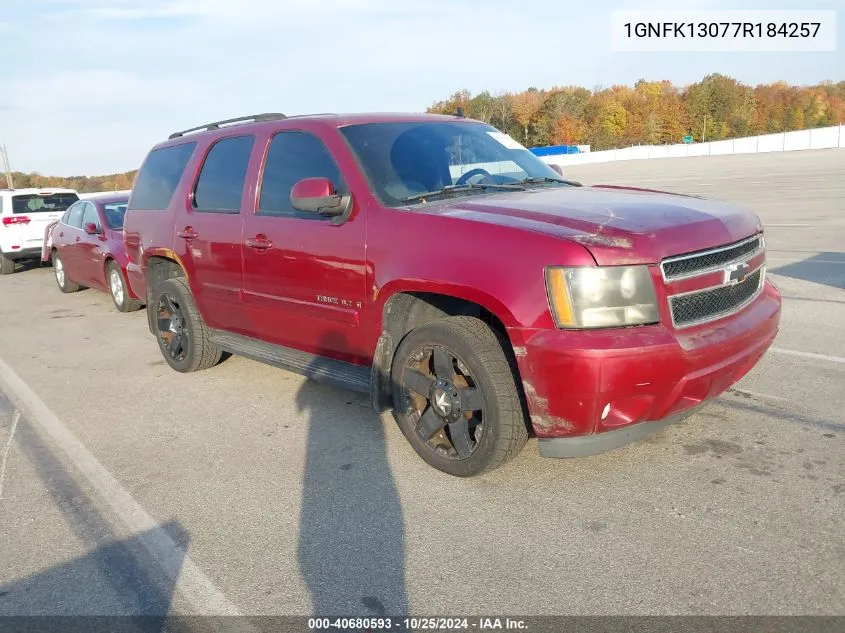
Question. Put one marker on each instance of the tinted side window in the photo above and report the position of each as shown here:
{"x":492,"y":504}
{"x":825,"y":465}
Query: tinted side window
{"x":159,"y":176}
{"x":293,"y":156}
{"x":75,"y":215}
{"x":221,"y":181}
{"x":90,"y":216}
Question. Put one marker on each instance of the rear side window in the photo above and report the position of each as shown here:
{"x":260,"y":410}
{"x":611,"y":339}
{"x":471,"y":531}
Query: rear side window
{"x":221,"y":181}
{"x":159,"y":177}
{"x":293,"y":156}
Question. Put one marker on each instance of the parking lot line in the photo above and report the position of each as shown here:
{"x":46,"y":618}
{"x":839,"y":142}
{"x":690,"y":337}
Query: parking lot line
{"x":15,"y":419}
{"x":792,"y":352}
{"x":204,"y":597}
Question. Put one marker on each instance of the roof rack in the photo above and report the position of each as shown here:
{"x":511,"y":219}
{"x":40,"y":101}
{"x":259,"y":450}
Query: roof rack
{"x":266,"y":116}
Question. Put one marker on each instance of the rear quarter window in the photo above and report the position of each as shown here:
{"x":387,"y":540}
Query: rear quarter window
{"x":159,"y":176}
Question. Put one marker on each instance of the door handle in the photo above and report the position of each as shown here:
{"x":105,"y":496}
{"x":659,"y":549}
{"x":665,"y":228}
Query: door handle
{"x":187,"y":234}
{"x":77,"y":239}
{"x":259,"y":242}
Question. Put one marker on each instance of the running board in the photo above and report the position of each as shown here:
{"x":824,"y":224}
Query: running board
{"x":319,"y":368}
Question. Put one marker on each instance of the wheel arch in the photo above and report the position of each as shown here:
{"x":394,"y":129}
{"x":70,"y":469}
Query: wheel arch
{"x":159,"y":268}
{"x":406,"y":309}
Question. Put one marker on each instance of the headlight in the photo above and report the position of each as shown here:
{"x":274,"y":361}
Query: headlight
{"x":594,"y":297}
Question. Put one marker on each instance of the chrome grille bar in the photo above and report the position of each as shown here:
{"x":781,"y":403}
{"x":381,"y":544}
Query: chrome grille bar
{"x":702,"y":262}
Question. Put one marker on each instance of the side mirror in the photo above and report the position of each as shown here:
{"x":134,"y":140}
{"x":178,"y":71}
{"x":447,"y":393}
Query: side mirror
{"x":557,"y":168}
{"x":91,"y":229}
{"x":318,"y":195}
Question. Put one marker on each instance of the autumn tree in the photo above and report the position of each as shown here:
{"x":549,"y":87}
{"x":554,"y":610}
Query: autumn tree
{"x":526,"y":106}
{"x":568,"y":130}
{"x":481,"y":107}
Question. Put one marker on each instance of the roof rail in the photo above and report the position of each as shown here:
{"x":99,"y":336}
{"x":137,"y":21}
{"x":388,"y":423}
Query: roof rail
{"x":266,"y":116}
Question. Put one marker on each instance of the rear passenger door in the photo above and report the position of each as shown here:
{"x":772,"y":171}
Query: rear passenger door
{"x":305,"y":289}
{"x":66,"y":238}
{"x":209,"y":233}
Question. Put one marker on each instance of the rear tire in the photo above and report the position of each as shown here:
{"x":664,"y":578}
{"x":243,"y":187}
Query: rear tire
{"x":182,"y":335}
{"x":119,"y":289}
{"x":7,"y":266}
{"x":455,"y":397}
{"x":62,"y":280}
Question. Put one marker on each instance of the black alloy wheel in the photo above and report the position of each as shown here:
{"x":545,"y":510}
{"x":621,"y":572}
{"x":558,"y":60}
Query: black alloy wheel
{"x":173,"y":331}
{"x":455,"y":396}
{"x":447,"y":408}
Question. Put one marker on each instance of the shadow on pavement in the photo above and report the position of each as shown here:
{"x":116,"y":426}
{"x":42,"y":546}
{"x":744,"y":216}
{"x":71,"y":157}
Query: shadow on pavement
{"x":351,"y":537}
{"x":115,"y":577}
{"x":823,"y":268}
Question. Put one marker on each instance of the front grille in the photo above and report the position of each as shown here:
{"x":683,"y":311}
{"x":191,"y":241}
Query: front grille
{"x":696,"y":263}
{"x":710,"y":304}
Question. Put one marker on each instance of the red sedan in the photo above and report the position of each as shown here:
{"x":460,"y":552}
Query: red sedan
{"x":86,"y":248}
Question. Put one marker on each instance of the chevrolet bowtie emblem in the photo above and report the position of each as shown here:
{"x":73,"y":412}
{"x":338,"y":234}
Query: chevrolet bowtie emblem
{"x":736,"y":274}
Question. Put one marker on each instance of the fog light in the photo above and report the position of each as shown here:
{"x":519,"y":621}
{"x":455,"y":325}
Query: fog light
{"x":605,"y":411}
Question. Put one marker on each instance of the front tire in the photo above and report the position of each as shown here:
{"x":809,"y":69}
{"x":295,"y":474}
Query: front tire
{"x":7,"y":266}
{"x":182,"y":335}
{"x":62,"y":280}
{"x":119,"y":289}
{"x":455,"y":397}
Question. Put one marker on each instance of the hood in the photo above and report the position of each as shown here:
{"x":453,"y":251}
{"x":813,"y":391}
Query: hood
{"x":617,"y":225}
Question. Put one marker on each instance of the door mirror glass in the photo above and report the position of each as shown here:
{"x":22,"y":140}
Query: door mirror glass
{"x":91,"y":229}
{"x":318,"y":195}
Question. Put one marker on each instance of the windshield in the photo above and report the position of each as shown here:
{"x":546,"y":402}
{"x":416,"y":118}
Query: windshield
{"x":404,"y":159}
{"x":34,"y":203}
{"x":114,"y":212}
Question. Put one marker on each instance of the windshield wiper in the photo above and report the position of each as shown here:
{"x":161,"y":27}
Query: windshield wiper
{"x":460,"y":188}
{"x":540,"y":179}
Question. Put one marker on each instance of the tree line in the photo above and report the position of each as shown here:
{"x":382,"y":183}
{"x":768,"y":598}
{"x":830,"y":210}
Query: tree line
{"x":652,"y":112}
{"x":83,"y":184}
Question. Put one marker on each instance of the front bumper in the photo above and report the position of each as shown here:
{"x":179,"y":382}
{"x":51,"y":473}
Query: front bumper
{"x":591,"y":391}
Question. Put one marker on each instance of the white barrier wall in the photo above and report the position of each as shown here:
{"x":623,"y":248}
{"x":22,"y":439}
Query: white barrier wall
{"x":97,"y":193}
{"x":818,"y":138}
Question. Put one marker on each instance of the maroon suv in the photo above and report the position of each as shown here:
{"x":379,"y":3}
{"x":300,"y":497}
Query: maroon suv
{"x":435,"y":263}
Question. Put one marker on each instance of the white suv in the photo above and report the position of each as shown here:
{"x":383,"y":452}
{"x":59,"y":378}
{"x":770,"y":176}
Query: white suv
{"x":24,"y":215}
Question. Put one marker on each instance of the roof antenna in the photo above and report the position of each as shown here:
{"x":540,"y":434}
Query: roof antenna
{"x":460,"y":112}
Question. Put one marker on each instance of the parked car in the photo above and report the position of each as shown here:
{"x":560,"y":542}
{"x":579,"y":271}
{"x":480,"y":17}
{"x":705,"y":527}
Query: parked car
{"x":436,"y":264}
{"x":23,"y":215}
{"x":86,"y":248}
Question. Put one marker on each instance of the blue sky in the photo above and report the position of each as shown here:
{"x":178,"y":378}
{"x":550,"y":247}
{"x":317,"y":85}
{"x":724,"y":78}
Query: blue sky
{"x":89,"y":85}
